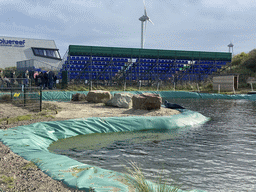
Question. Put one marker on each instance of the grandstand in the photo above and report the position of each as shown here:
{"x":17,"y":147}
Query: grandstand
{"x":113,"y":65}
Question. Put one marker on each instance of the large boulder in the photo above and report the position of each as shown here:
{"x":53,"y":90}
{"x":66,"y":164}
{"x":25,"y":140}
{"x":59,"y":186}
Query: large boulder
{"x":122,"y":100}
{"x":98,"y":96}
{"x":78,"y":97}
{"x":146,"y":101}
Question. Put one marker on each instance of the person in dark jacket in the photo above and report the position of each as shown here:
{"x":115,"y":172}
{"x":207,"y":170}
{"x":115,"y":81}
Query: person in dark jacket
{"x":50,"y":79}
{"x":54,"y":81}
{"x":45,"y":80}
{"x":40,"y":79}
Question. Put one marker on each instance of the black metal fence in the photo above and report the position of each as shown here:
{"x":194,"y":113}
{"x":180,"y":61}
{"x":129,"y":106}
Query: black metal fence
{"x":27,"y":97}
{"x":14,"y":82}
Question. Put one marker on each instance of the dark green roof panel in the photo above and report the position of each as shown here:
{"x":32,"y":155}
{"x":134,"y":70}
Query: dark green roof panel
{"x":147,"y":53}
{"x":167,"y":53}
{"x":121,"y":51}
{"x":101,"y":51}
{"x":135,"y":53}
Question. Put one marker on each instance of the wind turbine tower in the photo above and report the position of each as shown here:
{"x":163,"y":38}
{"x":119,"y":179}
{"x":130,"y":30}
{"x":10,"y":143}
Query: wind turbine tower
{"x":143,"y":19}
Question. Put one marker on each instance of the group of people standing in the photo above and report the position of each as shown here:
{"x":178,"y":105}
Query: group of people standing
{"x":45,"y":79}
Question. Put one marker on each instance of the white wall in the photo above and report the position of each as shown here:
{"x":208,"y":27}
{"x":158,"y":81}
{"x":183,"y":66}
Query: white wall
{"x":17,"y":51}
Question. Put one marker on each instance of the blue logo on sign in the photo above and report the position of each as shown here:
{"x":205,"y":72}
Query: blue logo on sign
{"x":14,"y":43}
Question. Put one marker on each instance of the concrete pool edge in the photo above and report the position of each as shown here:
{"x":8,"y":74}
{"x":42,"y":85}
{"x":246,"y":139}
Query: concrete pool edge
{"x":31,"y":142}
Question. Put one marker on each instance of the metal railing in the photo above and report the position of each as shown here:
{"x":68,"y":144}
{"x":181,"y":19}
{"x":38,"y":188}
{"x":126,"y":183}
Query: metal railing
{"x":27,"y":97}
{"x":7,"y":83}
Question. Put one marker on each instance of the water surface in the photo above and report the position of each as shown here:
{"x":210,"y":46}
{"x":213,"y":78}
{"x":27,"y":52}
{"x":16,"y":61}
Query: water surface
{"x":217,"y":156}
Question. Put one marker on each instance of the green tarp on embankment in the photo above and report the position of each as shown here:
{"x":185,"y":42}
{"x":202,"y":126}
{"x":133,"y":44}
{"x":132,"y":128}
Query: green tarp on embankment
{"x":32,"y":141}
{"x":67,"y":95}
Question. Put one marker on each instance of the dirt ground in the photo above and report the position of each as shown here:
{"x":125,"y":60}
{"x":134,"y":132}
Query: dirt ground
{"x":18,"y":174}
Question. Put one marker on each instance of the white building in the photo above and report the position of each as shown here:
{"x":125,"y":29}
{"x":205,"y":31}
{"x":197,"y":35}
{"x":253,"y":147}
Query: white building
{"x":13,"y":50}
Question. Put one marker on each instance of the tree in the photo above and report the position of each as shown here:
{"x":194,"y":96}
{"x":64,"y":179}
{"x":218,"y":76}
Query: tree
{"x":250,"y":62}
{"x":239,"y":59}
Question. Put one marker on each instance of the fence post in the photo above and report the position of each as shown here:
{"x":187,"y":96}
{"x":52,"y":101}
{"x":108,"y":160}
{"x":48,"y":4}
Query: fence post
{"x":124,"y":85}
{"x":11,"y":94}
{"x":219,"y":88}
{"x":41,"y":98}
{"x":24,"y":96}
{"x":198,"y":90}
{"x":234,"y":90}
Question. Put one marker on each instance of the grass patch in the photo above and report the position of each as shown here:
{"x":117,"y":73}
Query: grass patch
{"x":5,"y":98}
{"x":29,"y":165}
{"x":8,"y":180}
{"x":136,"y":180}
{"x":50,"y":107}
{"x":48,"y":111}
{"x":26,"y":117}
{"x":205,"y":87}
{"x":16,"y":119}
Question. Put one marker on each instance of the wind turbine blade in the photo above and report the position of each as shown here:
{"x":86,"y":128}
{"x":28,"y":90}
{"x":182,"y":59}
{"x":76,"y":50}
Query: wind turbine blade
{"x":145,"y":10}
{"x":144,"y":3}
{"x":150,"y":21}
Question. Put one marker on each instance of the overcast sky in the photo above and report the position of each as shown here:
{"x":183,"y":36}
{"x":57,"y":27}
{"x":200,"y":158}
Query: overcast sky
{"x":194,"y":25}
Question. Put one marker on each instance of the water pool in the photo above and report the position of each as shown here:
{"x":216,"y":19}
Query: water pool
{"x":217,"y":156}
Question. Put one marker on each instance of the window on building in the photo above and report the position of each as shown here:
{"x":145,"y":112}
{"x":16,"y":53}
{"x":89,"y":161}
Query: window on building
{"x":48,"y":53}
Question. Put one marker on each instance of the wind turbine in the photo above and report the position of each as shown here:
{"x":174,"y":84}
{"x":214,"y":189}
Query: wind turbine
{"x":143,"y":19}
